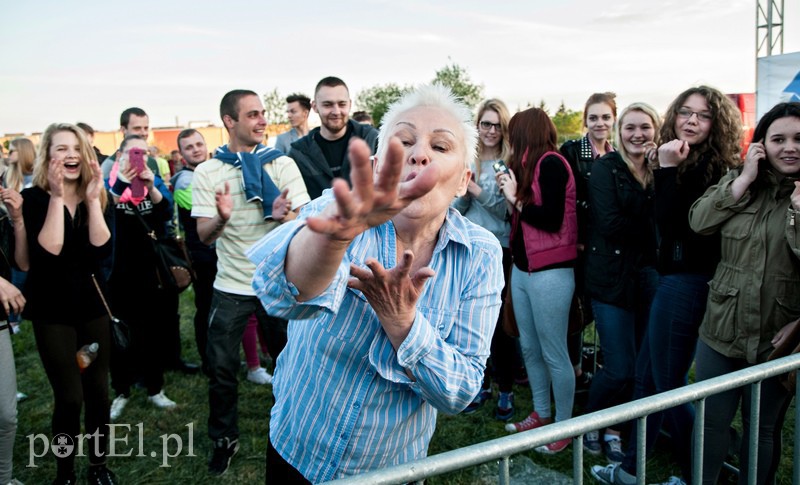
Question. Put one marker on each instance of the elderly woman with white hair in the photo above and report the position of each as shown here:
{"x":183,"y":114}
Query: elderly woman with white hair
{"x":391,"y":297}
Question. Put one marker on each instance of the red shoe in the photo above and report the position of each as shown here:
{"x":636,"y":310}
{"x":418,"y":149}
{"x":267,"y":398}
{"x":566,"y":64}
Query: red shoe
{"x":554,"y":447}
{"x":531,"y":422}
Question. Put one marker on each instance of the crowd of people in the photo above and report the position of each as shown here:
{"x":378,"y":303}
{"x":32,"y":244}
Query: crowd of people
{"x":377,"y":267}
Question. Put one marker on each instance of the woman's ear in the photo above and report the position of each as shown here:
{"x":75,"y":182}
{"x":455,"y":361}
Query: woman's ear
{"x":462,"y":186}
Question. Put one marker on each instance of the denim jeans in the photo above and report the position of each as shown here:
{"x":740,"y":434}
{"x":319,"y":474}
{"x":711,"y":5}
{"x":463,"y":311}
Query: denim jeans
{"x":226,"y":324}
{"x":621,"y":332}
{"x":675,"y":317}
{"x":721,"y":409}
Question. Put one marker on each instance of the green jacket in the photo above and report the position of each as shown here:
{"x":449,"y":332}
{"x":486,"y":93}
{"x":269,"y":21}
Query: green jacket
{"x":756,"y":287}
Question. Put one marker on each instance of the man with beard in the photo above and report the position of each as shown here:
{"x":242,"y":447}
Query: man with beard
{"x":321,"y":155}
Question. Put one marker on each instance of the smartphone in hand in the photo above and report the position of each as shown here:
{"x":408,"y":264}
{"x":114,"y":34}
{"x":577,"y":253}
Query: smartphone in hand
{"x":136,"y":159}
{"x":500,"y":167}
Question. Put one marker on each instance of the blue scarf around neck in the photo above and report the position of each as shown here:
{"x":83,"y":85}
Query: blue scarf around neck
{"x":257,"y":183}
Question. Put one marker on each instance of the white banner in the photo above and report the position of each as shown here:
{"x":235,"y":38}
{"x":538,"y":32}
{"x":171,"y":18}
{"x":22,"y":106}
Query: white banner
{"x":778,"y":81}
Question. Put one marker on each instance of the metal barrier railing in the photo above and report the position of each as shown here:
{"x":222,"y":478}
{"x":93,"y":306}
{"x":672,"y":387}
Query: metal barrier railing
{"x":503,"y":448}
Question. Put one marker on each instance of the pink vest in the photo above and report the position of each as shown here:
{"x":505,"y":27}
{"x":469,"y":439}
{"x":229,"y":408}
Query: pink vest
{"x":546,"y":248}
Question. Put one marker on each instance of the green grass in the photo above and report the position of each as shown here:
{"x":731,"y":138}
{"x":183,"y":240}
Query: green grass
{"x":191,"y":394}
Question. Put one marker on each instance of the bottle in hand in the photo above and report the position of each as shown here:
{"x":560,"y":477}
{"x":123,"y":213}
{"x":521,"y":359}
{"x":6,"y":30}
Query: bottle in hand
{"x":86,"y":355}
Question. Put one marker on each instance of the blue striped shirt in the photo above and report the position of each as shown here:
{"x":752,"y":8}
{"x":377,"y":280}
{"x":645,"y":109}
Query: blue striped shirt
{"x":343,"y":402}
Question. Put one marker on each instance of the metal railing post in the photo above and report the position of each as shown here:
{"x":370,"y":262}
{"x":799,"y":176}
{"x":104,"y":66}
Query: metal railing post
{"x":796,"y":460}
{"x":752,"y":450}
{"x":503,"y":471}
{"x":698,"y":441}
{"x":641,"y":450}
{"x":577,"y":460}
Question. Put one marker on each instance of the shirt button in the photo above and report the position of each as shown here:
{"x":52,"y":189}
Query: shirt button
{"x":356,"y":405}
{"x":616,"y":251}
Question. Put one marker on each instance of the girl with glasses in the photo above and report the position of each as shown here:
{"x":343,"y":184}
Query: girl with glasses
{"x":484,"y":205}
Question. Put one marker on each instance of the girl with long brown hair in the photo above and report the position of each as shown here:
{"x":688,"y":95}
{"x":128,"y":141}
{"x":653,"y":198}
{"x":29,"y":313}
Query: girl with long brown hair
{"x":540,"y":190}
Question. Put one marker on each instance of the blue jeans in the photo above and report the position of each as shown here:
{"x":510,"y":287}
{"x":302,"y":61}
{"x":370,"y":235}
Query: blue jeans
{"x":721,"y":409}
{"x":620,"y":331}
{"x":675,"y":317}
{"x":226,"y":323}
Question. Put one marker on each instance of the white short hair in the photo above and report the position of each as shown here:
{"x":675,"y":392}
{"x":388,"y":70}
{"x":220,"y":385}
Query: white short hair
{"x":435,"y":96}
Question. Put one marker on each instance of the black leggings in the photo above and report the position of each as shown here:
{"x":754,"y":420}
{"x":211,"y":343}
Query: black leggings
{"x":57,"y":344}
{"x":279,"y":471}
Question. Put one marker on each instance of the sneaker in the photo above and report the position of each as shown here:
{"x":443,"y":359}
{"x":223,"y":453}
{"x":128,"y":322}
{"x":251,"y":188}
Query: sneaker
{"x":117,"y":405}
{"x":505,"y":406}
{"x":101,"y":475}
{"x":483,"y":396}
{"x":160,"y":400}
{"x":14,"y":481}
{"x":531,"y":422}
{"x":613,"y":450}
{"x":21,"y":396}
{"x":673,"y":480}
{"x":259,"y":376}
{"x":591,"y":443}
{"x":612,"y":475}
{"x":224,"y":449}
{"x":554,"y":447}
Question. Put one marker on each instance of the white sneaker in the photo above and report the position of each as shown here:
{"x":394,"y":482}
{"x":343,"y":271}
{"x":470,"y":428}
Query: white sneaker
{"x":161,"y":401}
{"x":118,"y":405}
{"x":259,"y":376}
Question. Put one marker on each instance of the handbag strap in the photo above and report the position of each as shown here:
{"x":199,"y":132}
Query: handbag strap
{"x":147,"y":229}
{"x":102,"y":298}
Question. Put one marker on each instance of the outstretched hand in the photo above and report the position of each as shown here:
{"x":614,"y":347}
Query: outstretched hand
{"x":392,"y":293}
{"x":372,"y":200}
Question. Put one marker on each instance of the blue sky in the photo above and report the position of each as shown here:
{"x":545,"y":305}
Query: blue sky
{"x":89,"y":60}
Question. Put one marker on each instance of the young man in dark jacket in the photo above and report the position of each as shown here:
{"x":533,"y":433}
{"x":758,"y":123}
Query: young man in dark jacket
{"x":321,"y":155}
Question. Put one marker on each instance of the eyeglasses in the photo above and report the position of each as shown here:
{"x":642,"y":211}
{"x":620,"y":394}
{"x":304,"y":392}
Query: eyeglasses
{"x":487,"y":126}
{"x":701,"y":115}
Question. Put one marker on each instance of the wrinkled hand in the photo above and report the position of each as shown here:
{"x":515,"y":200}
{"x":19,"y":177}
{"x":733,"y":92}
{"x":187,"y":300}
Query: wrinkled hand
{"x":224,"y":202}
{"x":281,"y":206}
{"x":96,"y":185}
{"x":508,"y":184}
{"x":13,"y":201}
{"x":372,"y":200}
{"x":11,"y":297}
{"x":55,"y":177}
{"x":392,"y":293}
{"x":783,"y":333}
{"x":673,"y":153}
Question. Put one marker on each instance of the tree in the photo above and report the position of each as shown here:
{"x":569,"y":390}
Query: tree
{"x":275,"y":108}
{"x":376,"y":99}
{"x":457,"y":79}
{"x":569,"y":123}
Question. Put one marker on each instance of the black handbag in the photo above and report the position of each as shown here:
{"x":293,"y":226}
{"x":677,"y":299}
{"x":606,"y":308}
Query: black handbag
{"x":173,"y":266}
{"x":120,"y":333}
